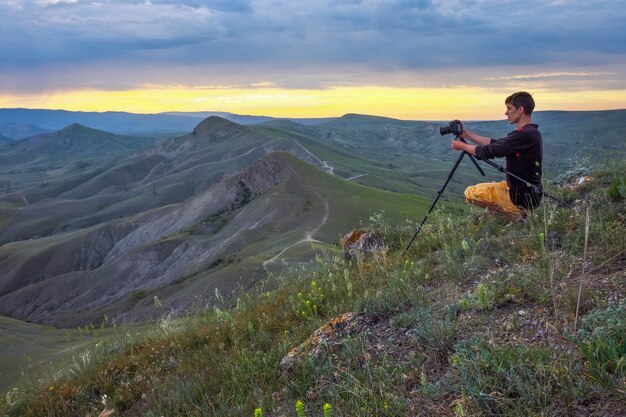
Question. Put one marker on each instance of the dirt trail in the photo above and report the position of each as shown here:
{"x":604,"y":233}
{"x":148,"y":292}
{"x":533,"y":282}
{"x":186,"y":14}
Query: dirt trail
{"x":309,"y":234}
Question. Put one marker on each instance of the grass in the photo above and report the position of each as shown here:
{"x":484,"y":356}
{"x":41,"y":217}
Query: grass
{"x":476,"y":319}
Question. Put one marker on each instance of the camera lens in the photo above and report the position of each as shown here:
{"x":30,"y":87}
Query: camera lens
{"x":444,"y":130}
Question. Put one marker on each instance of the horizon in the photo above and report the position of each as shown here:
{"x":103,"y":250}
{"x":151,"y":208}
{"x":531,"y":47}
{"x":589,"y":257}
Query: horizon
{"x":292,"y":118}
{"x":429,"y":59}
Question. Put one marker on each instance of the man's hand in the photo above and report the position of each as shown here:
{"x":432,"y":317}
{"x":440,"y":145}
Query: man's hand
{"x":457,"y":145}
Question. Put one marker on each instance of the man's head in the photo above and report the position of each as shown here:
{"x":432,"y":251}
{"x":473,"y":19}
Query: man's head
{"x":521,"y":99}
{"x":519,"y":107}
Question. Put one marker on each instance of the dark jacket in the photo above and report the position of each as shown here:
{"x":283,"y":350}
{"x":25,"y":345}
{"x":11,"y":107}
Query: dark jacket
{"x":523,"y":149}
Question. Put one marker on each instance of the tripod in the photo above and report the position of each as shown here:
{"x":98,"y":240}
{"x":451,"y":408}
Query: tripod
{"x":440,"y":192}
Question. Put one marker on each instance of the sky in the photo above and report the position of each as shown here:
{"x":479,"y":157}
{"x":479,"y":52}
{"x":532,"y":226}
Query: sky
{"x":418,"y":60}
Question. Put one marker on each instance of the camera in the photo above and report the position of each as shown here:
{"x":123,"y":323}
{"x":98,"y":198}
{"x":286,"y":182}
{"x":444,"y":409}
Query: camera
{"x":454,"y":126}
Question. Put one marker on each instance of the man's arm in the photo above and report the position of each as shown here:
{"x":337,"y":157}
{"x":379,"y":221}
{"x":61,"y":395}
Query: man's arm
{"x":457,"y":145}
{"x":480,"y":140}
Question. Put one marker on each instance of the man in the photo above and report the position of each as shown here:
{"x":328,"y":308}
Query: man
{"x":523,"y":150}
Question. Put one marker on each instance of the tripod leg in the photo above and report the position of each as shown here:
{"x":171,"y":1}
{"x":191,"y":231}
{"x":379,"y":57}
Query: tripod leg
{"x":439,"y":193}
{"x":476,"y":165}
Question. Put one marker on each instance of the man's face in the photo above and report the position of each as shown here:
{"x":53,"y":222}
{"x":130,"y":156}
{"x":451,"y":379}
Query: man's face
{"x":513,"y":113}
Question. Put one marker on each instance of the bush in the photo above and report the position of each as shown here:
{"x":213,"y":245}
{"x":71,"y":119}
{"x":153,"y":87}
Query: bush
{"x":617,"y":190}
{"x":515,"y":380}
{"x":602,"y":341}
{"x":435,"y":334}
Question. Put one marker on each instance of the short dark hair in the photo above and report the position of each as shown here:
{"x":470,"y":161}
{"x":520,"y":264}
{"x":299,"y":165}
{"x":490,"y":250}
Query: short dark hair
{"x":522,"y":99}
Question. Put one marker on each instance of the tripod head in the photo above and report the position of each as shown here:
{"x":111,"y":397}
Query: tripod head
{"x":457,"y":136}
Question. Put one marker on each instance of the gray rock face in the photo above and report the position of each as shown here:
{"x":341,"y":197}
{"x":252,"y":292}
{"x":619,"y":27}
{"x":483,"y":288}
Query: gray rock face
{"x":261,"y":176}
{"x":91,"y":269}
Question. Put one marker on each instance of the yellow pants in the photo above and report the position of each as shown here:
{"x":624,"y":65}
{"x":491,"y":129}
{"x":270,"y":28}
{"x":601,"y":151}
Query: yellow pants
{"x":494,"y":196}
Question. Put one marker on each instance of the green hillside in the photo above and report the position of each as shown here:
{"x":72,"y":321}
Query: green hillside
{"x":480,"y":317}
{"x":386,"y":166}
{"x":314,"y":203}
{"x":30,"y":348}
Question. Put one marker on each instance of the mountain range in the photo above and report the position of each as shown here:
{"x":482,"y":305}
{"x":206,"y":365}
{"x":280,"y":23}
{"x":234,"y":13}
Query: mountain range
{"x":20,"y":123}
{"x":217,"y":208}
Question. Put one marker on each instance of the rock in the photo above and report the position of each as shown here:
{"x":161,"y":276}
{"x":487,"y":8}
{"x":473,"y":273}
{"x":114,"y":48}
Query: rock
{"x":323,"y":339}
{"x":579,"y":181}
{"x":360,"y":243}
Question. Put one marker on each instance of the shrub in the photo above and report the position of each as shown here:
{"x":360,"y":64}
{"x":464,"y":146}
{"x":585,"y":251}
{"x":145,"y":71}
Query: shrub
{"x":617,"y":190}
{"x":515,"y":380}
{"x":434,"y":334}
{"x":602,"y":341}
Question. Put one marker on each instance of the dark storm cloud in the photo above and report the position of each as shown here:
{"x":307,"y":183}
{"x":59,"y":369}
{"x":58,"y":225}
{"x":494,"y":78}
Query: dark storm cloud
{"x":329,"y":36}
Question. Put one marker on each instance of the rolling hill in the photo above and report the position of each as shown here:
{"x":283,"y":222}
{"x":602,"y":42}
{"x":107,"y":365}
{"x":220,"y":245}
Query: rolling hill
{"x":74,"y":142}
{"x":217,"y":208}
{"x":16,"y":131}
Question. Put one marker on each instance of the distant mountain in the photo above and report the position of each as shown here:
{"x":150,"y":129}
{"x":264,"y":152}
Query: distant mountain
{"x":28,"y":122}
{"x":236,"y":118}
{"x":594,"y":134}
{"x":414,"y":150}
{"x":116,"y":122}
{"x":21,"y":130}
{"x":4,"y":139}
{"x":249,"y":120}
{"x":74,"y":142}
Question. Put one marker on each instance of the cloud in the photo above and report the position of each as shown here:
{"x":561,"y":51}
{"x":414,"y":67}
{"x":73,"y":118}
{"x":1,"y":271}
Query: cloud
{"x":308,"y":43}
{"x":550,"y":75}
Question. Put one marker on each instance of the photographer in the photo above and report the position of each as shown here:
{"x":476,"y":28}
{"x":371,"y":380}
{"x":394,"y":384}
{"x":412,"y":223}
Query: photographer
{"x":523,"y":151}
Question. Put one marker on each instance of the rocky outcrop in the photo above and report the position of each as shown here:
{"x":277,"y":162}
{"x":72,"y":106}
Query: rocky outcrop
{"x":324,"y":339}
{"x":359,"y":243}
{"x":22,"y":264}
{"x":262,"y":175}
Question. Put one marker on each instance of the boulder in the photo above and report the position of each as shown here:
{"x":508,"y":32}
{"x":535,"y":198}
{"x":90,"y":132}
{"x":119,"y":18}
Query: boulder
{"x":359,"y":243}
{"x":324,"y":339}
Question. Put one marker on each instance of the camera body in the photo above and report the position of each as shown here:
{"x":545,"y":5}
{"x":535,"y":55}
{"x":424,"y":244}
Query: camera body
{"x":454,"y":126}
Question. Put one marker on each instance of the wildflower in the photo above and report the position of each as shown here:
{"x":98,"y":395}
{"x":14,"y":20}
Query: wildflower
{"x":300,"y":408}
